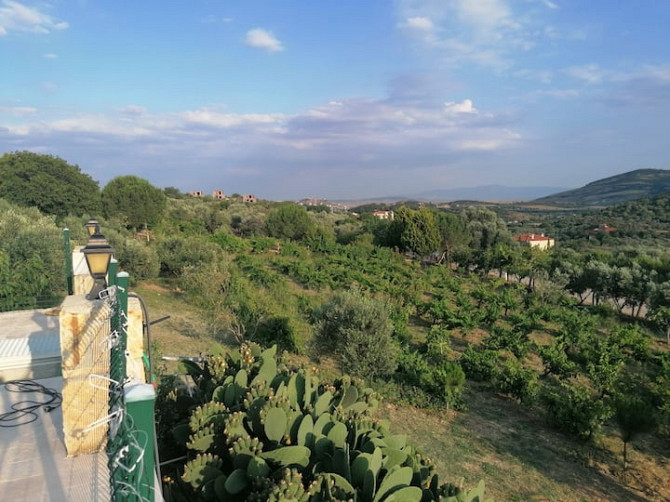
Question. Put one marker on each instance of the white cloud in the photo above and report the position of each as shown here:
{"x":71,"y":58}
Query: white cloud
{"x":208,"y":117}
{"x":340,"y":139}
{"x":488,"y":33}
{"x":50,"y":56}
{"x":15,"y":16}
{"x":590,"y":73}
{"x":419,"y":23}
{"x":556,"y":93}
{"x":464,"y":106}
{"x":18,"y":111}
{"x":133,"y":110}
{"x":263,"y":39}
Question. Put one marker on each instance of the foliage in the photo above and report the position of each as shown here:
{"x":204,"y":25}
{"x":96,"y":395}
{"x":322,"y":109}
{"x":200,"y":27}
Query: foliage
{"x":633,"y":416}
{"x":177,"y":253}
{"x":289,"y":221}
{"x":134,"y":199}
{"x":356,"y":330}
{"x":48,"y":183}
{"x":32,"y":271}
{"x":138,"y":258}
{"x":277,"y":331}
{"x":517,"y":381}
{"x":480,"y":365}
{"x":416,"y":230}
{"x":573,"y":409}
{"x":256,"y":431}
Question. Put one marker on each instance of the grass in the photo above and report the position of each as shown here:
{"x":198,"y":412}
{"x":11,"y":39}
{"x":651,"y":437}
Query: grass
{"x":520,"y":459}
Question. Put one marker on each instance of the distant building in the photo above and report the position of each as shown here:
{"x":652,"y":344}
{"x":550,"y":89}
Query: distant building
{"x":335,"y":207}
{"x":219,"y":195}
{"x":196,"y":193}
{"x":383,"y":215}
{"x":249,"y":198}
{"x":539,"y":241}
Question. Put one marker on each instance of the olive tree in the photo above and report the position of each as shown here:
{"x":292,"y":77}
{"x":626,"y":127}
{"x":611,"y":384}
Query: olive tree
{"x":356,"y":330}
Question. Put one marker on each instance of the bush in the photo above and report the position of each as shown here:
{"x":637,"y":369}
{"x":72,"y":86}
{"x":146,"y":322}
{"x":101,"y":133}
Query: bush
{"x":32,"y":270}
{"x":516,"y":381}
{"x":178,"y":253}
{"x":356,"y":330}
{"x":277,"y":331}
{"x":479,"y":365}
{"x":573,"y":409}
{"x":138,"y":259}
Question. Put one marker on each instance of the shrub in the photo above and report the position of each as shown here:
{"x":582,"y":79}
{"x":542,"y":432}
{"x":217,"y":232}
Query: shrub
{"x":277,"y":331}
{"x":573,"y":409}
{"x":178,"y":253}
{"x":356,"y":330}
{"x":32,"y":267}
{"x":515,"y":380}
{"x":479,"y":365}
{"x":138,"y":259}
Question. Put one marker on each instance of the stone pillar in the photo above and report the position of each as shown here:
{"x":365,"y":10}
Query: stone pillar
{"x":84,"y":330}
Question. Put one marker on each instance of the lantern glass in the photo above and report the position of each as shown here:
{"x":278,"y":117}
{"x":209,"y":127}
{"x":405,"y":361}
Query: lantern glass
{"x":98,"y":254}
{"x":98,"y":263}
{"x":92,"y":226}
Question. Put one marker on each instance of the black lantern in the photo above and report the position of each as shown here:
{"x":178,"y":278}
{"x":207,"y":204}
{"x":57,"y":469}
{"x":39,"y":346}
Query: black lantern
{"x":97,"y":252}
{"x":93,"y":227}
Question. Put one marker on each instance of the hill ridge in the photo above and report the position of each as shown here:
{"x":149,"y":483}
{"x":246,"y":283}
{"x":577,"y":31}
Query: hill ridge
{"x":617,"y":189}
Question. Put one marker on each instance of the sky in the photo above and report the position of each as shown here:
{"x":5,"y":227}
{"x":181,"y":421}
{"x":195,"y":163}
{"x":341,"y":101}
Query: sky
{"x":343,"y":99}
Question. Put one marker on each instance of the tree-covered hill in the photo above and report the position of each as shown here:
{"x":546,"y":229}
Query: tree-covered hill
{"x":613,"y":190}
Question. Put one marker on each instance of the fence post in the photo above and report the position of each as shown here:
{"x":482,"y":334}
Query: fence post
{"x":111,"y":272}
{"x":140,"y":400}
{"x":69,"y":274}
{"x":117,"y":370}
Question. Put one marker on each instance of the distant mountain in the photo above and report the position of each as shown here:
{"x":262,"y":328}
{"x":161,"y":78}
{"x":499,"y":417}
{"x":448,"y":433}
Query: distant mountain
{"x":492,"y":193}
{"x":487,"y":193}
{"x":613,"y":190}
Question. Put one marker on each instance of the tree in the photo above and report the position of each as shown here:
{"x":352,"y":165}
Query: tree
{"x":633,"y":416}
{"x":289,"y":221}
{"x":31,"y":257}
{"x":417,"y":229}
{"x":486,"y":228}
{"x":356,"y":330}
{"x":453,"y":233}
{"x":133,"y":199}
{"x":48,"y":183}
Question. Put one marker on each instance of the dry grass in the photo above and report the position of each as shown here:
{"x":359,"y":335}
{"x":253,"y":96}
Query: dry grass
{"x":521,"y":459}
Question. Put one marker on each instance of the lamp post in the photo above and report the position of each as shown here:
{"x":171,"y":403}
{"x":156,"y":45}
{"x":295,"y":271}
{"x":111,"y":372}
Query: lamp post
{"x":97,"y":252}
{"x":93,"y":227}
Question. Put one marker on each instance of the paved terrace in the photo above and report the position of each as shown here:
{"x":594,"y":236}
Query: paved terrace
{"x":33,"y":463}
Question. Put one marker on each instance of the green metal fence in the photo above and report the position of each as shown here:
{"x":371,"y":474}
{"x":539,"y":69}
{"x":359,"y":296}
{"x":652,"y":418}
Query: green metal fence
{"x":130,"y":445}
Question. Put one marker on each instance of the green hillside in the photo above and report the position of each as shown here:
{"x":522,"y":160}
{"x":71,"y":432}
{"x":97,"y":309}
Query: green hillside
{"x":613,"y":190}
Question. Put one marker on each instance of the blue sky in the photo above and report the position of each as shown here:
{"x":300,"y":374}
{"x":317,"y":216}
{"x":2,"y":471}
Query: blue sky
{"x":339,"y":99}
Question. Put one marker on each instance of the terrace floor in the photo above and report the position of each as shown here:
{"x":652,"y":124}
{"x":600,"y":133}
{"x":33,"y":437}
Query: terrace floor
{"x":33,"y":463}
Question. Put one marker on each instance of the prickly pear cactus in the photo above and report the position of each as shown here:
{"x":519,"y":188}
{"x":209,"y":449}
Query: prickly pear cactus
{"x":269,"y":433}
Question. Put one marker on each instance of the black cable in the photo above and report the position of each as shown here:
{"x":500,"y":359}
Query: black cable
{"x":25,"y":412}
